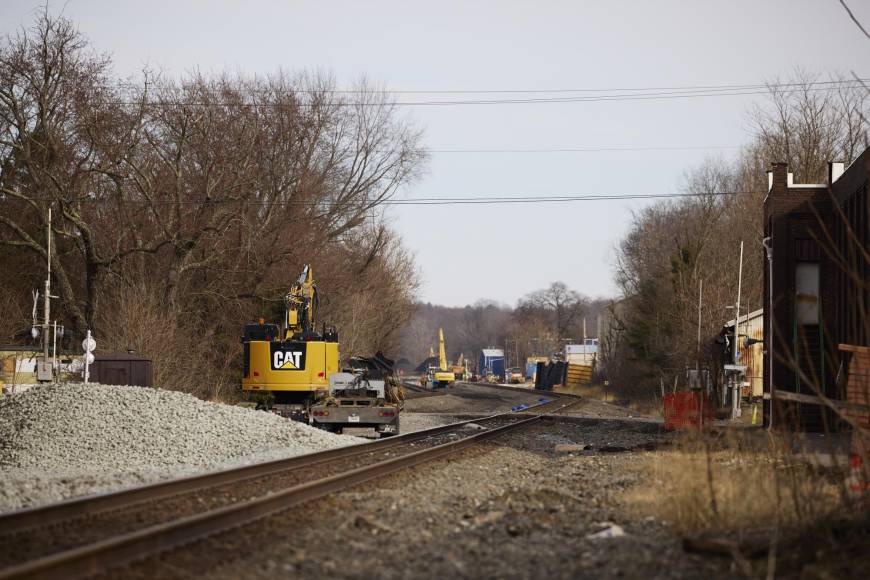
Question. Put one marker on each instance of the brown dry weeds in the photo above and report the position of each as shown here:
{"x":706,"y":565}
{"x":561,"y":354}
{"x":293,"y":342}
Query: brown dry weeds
{"x":739,"y":482}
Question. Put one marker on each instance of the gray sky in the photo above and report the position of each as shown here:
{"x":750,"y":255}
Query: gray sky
{"x":503,"y":252}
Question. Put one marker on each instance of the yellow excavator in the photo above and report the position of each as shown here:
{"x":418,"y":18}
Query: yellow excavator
{"x":293,"y":370}
{"x":290,"y":364}
{"x":442,"y":376}
{"x":460,"y":368}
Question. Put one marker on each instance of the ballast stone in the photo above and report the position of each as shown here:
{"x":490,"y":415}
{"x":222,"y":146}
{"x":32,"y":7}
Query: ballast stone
{"x":63,"y":440}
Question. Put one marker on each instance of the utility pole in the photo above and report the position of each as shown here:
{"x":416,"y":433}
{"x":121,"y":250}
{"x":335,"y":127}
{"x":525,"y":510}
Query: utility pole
{"x":735,"y":400}
{"x":700,"y":296}
{"x":45,"y":370}
{"x":768,"y":345}
{"x":698,"y":380}
{"x":46,"y":299}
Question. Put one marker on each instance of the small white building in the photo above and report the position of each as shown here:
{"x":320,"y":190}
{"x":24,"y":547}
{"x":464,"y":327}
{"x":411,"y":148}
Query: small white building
{"x":582,"y":354}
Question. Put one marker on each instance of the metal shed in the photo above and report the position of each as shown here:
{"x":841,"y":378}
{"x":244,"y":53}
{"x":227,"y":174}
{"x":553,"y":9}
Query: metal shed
{"x":491,"y":362}
{"x":751,"y":355}
{"x":122,"y":368}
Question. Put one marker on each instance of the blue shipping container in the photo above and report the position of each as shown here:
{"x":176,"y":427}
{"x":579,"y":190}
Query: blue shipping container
{"x":531,"y":369}
{"x":491,"y":362}
{"x":498,"y":368}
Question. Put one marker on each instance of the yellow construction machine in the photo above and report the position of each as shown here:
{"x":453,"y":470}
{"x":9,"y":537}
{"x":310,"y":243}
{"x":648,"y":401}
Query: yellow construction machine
{"x":442,"y":376}
{"x":293,"y":370}
{"x":291,"y":363}
{"x":460,"y":368}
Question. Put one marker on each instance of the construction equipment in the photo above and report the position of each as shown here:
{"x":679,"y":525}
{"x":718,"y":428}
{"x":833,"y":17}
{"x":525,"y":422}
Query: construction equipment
{"x":515,"y":376}
{"x":292,"y":369}
{"x":460,"y":368}
{"x":366,"y":394}
{"x":441,"y":376}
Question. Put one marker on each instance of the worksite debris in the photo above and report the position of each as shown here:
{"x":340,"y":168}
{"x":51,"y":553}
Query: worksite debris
{"x":61,"y":440}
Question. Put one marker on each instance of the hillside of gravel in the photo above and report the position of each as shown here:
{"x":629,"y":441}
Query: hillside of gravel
{"x":58,"y":441}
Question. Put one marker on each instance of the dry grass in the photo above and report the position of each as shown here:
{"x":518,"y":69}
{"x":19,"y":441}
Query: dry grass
{"x":739,"y":483}
{"x":183,"y":359}
{"x":650,"y":407}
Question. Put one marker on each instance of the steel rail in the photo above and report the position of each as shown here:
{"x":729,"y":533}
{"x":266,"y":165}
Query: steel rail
{"x":51,"y":514}
{"x":105,"y":554}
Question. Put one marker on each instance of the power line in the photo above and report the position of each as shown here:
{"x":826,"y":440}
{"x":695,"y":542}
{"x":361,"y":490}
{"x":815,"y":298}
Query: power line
{"x":558,"y":199}
{"x":585,"y":149}
{"x":722,"y":87}
{"x":640,"y":96}
{"x":455,"y":200}
{"x":854,"y":19}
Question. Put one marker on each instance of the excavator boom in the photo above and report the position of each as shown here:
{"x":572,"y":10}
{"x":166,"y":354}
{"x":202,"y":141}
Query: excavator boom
{"x":442,"y":376}
{"x":300,"y":305}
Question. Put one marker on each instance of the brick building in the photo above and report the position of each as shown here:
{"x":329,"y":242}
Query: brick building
{"x":817,"y":275}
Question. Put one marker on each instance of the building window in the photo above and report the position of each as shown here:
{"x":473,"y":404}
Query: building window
{"x":806,"y":283}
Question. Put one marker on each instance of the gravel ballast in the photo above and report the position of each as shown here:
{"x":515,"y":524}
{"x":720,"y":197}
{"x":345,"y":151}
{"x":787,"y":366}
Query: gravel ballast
{"x":61,"y":441}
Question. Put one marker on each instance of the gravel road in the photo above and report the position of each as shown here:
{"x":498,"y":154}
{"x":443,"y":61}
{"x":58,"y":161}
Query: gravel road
{"x":61,"y":441}
{"x":467,"y":398}
{"x":472,"y":398}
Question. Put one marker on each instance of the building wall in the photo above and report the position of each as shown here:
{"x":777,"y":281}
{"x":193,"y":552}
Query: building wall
{"x":752,"y":356}
{"x":806,"y":226}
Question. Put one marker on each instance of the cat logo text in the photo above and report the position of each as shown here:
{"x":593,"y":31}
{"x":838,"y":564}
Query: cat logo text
{"x":284,"y":359}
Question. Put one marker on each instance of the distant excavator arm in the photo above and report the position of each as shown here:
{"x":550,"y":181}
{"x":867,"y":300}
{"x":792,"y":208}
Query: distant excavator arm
{"x":301,"y":305}
{"x":442,"y":353}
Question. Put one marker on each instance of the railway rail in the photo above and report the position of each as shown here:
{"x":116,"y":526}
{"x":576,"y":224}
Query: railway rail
{"x":419,"y":391}
{"x":95,"y":533}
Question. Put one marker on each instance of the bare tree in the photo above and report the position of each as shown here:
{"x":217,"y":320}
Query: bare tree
{"x":562,"y":306}
{"x":201,"y":197}
{"x":808,"y":126}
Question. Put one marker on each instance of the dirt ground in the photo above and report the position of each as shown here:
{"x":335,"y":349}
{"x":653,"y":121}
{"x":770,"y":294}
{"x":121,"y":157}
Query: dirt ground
{"x":520,"y":506}
{"x":557,"y":500}
{"x":470,"y":398}
{"x":515,"y":508}
{"x":464,"y":398}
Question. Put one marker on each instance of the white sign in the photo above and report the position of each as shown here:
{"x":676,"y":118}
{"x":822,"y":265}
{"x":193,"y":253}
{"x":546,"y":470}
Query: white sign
{"x":89,"y":344}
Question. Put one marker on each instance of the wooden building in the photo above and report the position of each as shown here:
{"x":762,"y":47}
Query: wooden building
{"x":817,"y":297}
{"x":751,"y":334}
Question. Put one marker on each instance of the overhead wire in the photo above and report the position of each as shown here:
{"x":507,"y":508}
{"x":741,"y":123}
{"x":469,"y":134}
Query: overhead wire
{"x":643,"y":95}
{"x":393,"y":201}
{"x":586,"y":149}
{"x":744,"y":86}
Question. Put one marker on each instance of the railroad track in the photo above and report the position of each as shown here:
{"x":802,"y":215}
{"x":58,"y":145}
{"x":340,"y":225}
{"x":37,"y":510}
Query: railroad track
{"x":92,"y":534}
{"x":420,"y":391}
{"x":522,"y":389}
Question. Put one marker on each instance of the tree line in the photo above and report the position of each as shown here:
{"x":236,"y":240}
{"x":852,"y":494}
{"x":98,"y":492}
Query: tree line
{"x":677,"y":250}
{"x":182,"y":208}
{"x":540,"y":324}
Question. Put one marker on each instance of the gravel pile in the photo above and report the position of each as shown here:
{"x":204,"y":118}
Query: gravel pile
{"x":58,"y":441}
